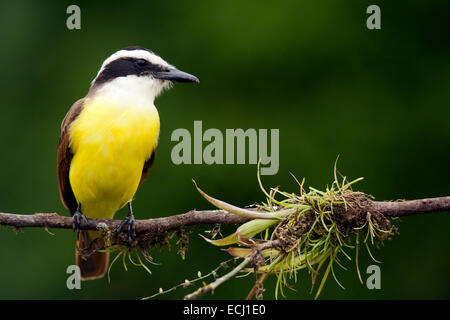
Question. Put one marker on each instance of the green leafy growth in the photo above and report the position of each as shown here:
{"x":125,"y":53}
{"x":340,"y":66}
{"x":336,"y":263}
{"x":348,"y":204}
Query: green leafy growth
{"x":315,"y":228}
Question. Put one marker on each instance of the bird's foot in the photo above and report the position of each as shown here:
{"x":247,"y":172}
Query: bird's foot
{"x":130,"y":221}
{"x":77,"y":218}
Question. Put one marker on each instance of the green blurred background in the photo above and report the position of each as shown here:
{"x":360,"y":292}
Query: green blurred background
{"x":379,"y":99}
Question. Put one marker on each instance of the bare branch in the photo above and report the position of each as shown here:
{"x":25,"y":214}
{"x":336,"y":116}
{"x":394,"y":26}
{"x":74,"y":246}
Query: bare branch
{"x":157,"y":225}
{"x":410,"y":207}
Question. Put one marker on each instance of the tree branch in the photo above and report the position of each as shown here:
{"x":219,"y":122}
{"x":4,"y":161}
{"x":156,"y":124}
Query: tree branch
{"x":410,"y":207}
{"x":157,"y":225}
{"x":154,"y":231}
{"x":209,"y":217}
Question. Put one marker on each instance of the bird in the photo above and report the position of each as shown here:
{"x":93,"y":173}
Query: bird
{"x":108,"y":143}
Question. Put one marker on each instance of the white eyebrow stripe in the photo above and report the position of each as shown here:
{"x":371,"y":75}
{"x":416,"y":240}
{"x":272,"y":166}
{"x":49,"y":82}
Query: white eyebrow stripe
{"x":137,"y":54}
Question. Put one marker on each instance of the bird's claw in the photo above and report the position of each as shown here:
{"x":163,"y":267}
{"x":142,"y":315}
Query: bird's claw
{"x":131,"y":230}
{"x":77,"y":220}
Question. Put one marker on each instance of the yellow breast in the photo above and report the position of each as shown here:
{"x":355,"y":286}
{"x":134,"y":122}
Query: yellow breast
{"x":110,"y":140}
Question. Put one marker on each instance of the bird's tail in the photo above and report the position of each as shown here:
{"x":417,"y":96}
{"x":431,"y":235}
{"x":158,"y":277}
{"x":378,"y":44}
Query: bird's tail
{"x":93,"y":264}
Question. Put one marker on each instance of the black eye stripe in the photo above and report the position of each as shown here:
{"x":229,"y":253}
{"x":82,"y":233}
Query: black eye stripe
{"x":141,"y":62}
{"x":127,"y":66}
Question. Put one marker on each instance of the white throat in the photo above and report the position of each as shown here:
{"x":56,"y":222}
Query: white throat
{"x":139,"y":90}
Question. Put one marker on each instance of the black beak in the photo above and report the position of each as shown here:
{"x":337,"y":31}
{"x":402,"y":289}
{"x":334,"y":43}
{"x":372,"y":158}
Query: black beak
{"x":175,"y":76}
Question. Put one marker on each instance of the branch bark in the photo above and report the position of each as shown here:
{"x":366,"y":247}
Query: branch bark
{"x":156,"y":225}
{"x":209,"y":217}
{"x":402,"y":208}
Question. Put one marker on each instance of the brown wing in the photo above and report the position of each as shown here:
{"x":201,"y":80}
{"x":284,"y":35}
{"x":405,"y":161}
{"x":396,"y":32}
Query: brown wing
{"x":65,"y":157}
{"x":147,"y":166}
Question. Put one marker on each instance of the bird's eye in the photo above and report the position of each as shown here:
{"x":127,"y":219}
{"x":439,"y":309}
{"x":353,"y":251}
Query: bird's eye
{"x":141,"y":62}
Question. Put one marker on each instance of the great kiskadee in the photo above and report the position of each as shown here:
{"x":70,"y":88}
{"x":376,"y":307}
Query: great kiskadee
{"x":108,"y":142}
